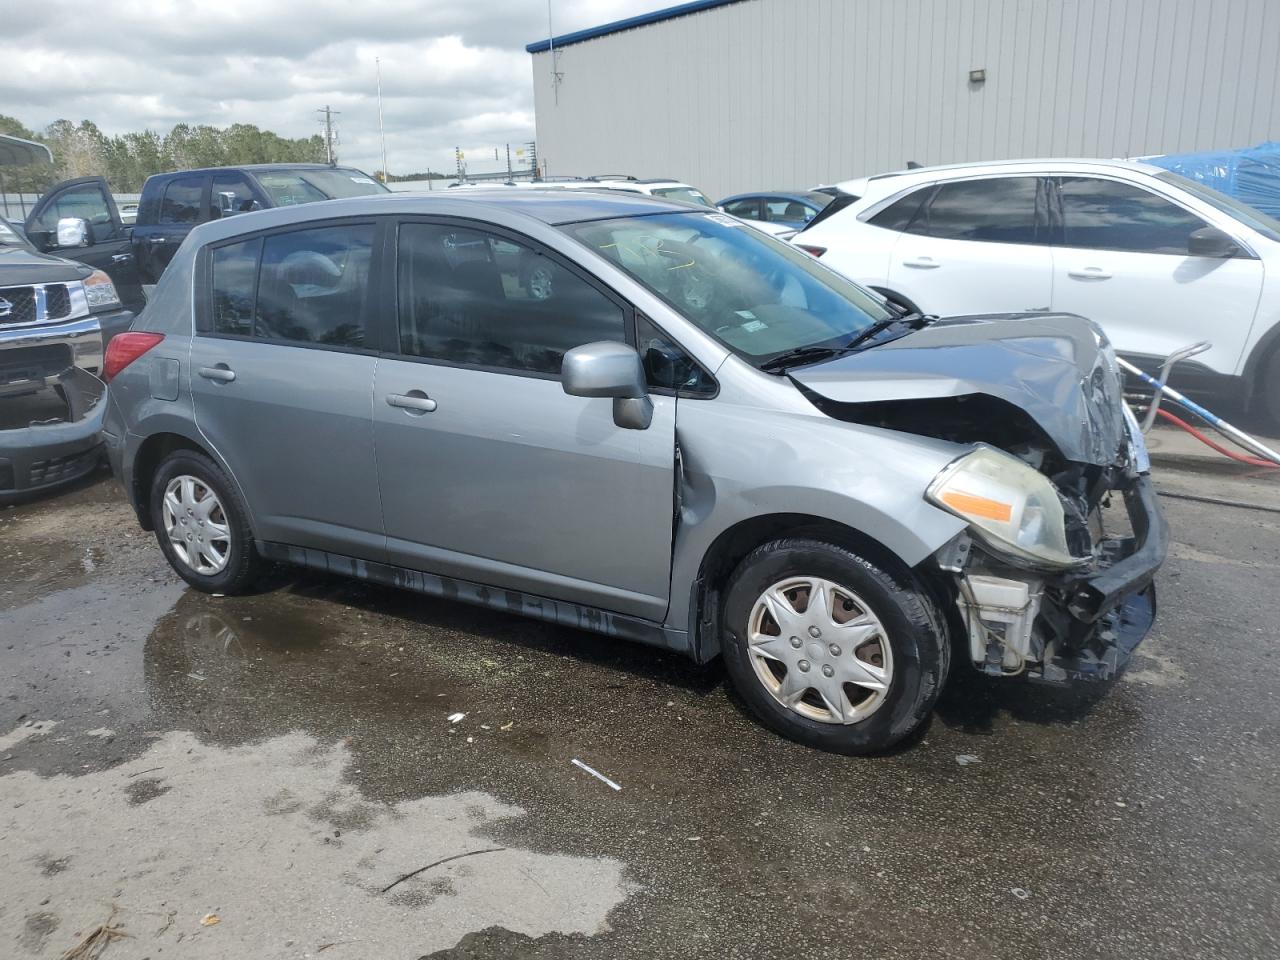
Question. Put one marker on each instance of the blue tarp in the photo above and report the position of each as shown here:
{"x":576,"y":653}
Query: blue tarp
{"x":1251,"y":175}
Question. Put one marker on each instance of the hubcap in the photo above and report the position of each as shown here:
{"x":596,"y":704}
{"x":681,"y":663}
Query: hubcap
{"x":819,"y":650}
{"x":196,"y":525}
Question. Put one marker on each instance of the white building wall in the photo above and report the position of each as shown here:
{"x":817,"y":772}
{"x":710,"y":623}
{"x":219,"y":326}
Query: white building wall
{"x":792,"y":93}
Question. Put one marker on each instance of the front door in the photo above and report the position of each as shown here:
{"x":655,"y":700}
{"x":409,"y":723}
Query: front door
{"x":281,"y":375}
{"x":183,"y":203}
{"x":1122,"y":261}
{"x":109,"y":248}
{"x":974,"y":246}
{"x":489,"y":471}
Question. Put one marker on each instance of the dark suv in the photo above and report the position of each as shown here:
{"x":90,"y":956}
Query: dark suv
{"x":171,"y":204}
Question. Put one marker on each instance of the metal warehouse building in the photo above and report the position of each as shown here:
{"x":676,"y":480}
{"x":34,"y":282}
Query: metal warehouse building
{"x":734,"y":95}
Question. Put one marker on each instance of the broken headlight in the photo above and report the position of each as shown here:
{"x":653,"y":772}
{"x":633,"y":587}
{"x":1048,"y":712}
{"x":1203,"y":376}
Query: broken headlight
{"x":1012,"y":507}
{"x":100,"y":292}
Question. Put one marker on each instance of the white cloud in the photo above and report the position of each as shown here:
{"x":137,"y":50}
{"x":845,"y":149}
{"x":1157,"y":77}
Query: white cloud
{"x":454,"y":72}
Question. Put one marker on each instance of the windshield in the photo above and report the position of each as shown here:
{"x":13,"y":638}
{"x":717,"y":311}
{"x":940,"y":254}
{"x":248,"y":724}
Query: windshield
{"x":289,"y":187}
{"x":10,"y":237}
{"x":687,"y":194}
{"x":756,"y":295}
{"x":1269,"y":227}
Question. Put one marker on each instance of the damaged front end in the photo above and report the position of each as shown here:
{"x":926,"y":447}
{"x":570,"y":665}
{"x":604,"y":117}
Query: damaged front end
{"x":50,"y":427}
{"x":1052,"y":579}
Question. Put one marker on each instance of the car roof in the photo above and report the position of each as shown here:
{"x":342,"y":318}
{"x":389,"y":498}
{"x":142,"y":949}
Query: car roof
{"x":255,"y":168}
{"x":553,"y":207}
{"x":1083,"y":164}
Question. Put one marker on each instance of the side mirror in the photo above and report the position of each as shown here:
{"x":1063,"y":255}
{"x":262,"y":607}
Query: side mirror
{"x":1211,"y":242}
{"x":608,"y":369}
{"x":73,"y":232}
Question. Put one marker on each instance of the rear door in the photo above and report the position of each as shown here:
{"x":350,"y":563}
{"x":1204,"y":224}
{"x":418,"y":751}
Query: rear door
{"x":281,"y":376}
{"x":183,"y":202}
{"x":489,"y":471}
{"x":1121,"y":260}
{"x":109,"y":249}
{"x":972,"y":246}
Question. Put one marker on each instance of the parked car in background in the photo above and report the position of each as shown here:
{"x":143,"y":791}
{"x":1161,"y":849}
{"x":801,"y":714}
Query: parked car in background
{"x":675,"y":431}
{"x":657,"y":187}
{"x":128,"y":213}
{"x":1158,"y":261}
{"x":55,"y":316}
{"x":170,"y":205}
{"x":792,"y":209}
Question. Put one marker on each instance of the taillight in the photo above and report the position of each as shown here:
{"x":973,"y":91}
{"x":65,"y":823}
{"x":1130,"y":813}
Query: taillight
{"x":125,"y":348}
{"x":812,"y":251}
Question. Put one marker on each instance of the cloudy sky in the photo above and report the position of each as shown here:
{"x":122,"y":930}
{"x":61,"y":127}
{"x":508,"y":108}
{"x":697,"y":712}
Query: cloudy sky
{"x":453,"y":71}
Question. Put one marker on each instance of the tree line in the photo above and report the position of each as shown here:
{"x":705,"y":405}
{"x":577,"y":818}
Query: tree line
{"x":82,"y":150}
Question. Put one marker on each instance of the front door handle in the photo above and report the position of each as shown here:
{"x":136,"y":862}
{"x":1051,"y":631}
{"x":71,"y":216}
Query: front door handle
{"x":221,"y":373}
{"x":157,"y":239}
{"x":415,"y":402}
{"x":1089,"y":273}
{"x":922,"y":263}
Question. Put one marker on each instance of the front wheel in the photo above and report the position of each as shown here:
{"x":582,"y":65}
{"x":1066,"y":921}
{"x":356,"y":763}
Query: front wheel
{"x":831,"y":650}
{"x":1269,"y":389}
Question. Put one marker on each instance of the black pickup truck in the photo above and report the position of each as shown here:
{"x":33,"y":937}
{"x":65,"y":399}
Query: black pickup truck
{"x":78,"y":219}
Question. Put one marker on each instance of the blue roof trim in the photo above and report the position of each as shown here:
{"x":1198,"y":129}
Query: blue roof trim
{"x":644,"y":19}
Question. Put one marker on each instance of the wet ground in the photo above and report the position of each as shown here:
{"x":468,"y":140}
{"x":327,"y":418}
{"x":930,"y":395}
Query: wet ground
{"x":258,"y":777}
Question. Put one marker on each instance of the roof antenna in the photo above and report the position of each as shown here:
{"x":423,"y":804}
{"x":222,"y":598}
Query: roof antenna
{"x":556,"y":75}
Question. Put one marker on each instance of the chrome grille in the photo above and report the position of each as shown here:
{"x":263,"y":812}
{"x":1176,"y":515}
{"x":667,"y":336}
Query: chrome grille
{"x":35,"y":304}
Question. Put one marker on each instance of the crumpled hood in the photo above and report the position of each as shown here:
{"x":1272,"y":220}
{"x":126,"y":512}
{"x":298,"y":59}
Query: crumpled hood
{"x":1058,"y":368}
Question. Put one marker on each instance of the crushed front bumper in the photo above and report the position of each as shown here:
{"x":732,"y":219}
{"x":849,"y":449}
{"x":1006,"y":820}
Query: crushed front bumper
{"x":50,"y":432}
{"x":1082,"y":625}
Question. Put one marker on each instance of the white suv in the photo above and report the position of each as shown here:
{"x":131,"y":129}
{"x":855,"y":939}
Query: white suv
{"x":1157,"y":260}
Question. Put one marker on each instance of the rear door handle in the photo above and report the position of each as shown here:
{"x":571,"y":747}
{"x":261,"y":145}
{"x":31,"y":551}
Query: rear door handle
{"x":922,"y":263}
{"x":156,"y":239}
{"x":220,"y":373}
{"x":415,"y":401}
{"x":121,"y":257}
{"x":1089,"y":273}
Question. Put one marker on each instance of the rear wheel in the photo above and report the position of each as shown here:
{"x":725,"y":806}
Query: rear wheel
{"x":831,"y":650}
{"x":1269,"y":389}
{"x":202,"y":524}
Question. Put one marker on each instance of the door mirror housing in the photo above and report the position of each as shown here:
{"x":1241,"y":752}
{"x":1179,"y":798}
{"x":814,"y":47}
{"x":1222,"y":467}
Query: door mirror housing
{"x":608,"y":369}
{"x":1211,"y":242}
{"x":73,"y":232}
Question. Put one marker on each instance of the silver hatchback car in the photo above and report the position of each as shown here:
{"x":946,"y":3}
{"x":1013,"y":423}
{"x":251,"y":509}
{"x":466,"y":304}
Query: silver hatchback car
{"x":649,"y":421}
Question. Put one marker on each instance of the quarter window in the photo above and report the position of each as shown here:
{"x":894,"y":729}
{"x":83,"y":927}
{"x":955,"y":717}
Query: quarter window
{"x":181,"y":202}
{"x":667,"y":366}
{"x":1108,"y":215}
{"x":306,"y":286}
{"x":468,"y":296}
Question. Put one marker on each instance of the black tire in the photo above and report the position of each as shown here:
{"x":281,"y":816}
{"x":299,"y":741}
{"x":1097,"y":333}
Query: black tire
{"x":244,"y":565}
{"x":914,"y":631}
{"x":1269,"y":389}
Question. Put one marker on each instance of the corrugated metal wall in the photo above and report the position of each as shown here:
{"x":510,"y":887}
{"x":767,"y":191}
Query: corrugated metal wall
{"x":792,"y":93}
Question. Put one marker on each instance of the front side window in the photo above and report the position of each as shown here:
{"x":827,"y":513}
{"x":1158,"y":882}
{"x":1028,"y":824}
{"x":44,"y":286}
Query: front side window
{"x":231,"y":195}
{"x":473,"y":297}
{"x":307,"y":286}
{"x":758,"y":296}
{"x":783,"y":210}
{"x":1266,"y":225}
{"x":1108,"y":215}
{"x":85,"y":203}
{"x":181,"y":201}
{"x":997,"y":210}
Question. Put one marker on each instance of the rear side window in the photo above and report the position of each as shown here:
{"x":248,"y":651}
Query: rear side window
{"x":903,"y":212}
{"x":747,"y":209}
{"x":999,"y":210}
{"x":304,"y":287}
{"x":1107,"y":215}
{"x":181,"y":200}
{"x":469,"y":296}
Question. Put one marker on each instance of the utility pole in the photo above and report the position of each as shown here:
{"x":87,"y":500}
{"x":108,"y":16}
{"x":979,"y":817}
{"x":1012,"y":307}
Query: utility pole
{"x":508,"y":161}
{"x":377,"y":61}
{"x":330,"y":155}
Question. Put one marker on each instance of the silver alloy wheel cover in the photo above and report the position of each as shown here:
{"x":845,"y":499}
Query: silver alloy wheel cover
{"x":196,"y":525}
{"x":816,"y":657}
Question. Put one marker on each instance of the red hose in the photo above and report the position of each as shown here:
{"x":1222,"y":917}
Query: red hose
{"x":1252,"y":461}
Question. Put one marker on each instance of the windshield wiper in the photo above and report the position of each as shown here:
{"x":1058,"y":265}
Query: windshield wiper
{"x":801,"y":355}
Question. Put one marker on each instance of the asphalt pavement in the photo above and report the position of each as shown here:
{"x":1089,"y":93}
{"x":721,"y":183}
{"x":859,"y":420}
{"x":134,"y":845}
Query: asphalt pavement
{"x":285,"y":775}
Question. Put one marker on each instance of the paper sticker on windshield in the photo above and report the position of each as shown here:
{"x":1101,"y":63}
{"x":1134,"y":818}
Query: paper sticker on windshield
{"x":754,"y":326}
{"x":720,"y":218}
{"x":361,"y":180}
